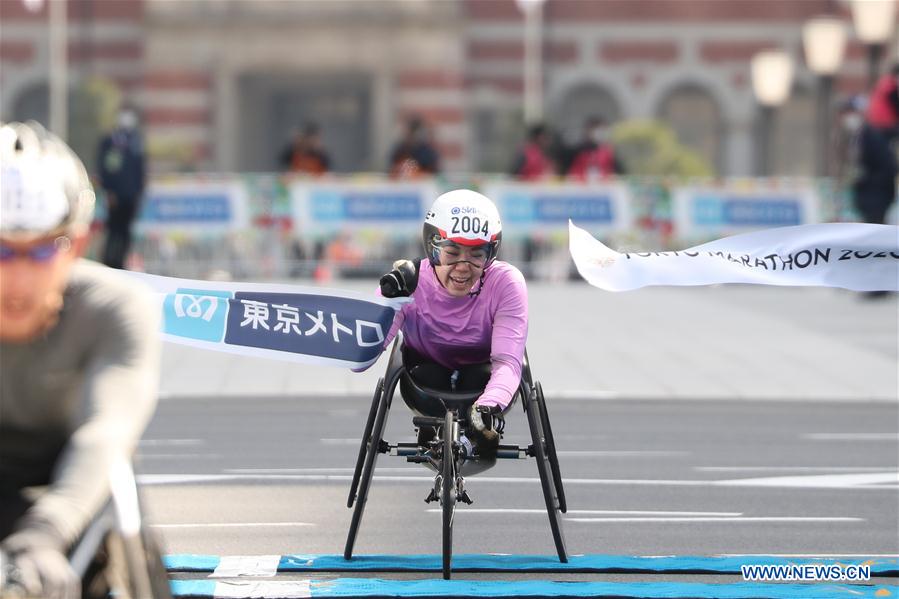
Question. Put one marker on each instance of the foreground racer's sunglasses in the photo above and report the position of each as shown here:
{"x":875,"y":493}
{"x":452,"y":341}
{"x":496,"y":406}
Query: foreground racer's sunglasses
{"x":38,"y":253}
{"x":453,"y":253}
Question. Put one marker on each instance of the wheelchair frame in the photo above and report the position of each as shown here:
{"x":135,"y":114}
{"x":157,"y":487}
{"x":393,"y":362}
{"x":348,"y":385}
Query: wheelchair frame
{"x":447,"y":456}
{"x":119,"y":529}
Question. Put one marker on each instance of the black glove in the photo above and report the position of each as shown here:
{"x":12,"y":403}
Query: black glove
{"x":401,"y":281}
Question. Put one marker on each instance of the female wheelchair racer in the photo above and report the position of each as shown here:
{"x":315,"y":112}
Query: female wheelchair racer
{"x":460,"y":362}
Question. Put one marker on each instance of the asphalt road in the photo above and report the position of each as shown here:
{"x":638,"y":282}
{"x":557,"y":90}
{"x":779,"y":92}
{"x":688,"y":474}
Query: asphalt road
{"x":254,"y":475}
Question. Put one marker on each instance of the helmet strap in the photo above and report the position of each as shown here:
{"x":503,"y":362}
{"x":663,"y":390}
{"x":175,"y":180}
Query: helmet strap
{"x":480,"y":284}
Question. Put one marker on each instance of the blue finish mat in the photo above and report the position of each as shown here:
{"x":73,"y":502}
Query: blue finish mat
{"x":361,"y":587}
{"x":880,"y":566}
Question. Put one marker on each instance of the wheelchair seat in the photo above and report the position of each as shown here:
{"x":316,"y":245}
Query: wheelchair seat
{"x":451,"y":399}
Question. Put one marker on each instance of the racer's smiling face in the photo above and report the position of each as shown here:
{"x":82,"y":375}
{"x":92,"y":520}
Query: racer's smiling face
{"x":460,"y":268}
{"x":33,"y":276}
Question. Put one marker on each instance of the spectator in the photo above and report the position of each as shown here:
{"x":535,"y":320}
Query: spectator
{"x":534,"y":161}
{"x":869,"y":166}
{"x":122,"y":166}
{"x":414,"y":156}
{"x":595,"y":157}
{"x":883,"y":107}
{"x":306,"y":153}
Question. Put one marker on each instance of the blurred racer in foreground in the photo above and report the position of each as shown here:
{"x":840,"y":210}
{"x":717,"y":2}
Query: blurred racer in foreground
{"x":79,"y":355}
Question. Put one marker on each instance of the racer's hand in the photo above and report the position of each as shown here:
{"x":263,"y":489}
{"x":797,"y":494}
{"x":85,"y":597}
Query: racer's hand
{"x":42,"y":572}
{"x":401,"y":281}
{"x":489,"y":409}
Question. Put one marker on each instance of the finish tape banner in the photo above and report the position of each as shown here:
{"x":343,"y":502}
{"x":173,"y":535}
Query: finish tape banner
{"x":287,"y":322}
{"x":856,"y":256}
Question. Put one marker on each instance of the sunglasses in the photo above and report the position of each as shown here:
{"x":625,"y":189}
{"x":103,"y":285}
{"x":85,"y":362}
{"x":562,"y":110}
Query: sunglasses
{"x":38,"y":253}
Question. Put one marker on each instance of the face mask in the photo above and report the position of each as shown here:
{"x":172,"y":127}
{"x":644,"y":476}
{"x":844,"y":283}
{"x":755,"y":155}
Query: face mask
{"x":852,"y":121}
{"x":127,"y":120}
{"x":599,"y":135}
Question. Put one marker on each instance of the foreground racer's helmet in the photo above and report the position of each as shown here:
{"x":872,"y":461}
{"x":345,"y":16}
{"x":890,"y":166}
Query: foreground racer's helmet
{"x":44,"y":187}
{"x":462,"y":217}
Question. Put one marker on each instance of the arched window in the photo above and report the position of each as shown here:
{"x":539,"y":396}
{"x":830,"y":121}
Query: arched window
{"x":696,"y":119}
{"x":580,"y":103}
{"x":32,"y":103}
{"x":792,"y":138}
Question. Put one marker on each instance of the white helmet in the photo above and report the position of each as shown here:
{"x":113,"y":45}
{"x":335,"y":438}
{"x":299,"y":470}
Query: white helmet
{"x":462,"y":217}
{"x":44,"y":187}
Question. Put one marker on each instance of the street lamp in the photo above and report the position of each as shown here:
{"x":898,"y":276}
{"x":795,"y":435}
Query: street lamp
{"x":874,"y":21}
{"x":772,"y":79}
{"x":59,"y":68}
{"x":533,"y":59}
{"x":824,"y":41}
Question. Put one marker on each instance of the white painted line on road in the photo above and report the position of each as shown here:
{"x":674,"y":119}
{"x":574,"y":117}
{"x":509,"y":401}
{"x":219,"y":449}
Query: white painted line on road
{"x":792,"y":468}
{"x":585,"y":394}
{"x":873,"y":481}
{"x":231,"y":566}
{"x":354,"y":441}
{"x":715,"y":519}
{"x":621,"y":453}
{"x":826,"y":481}
{"x":170,"y":442}
{"x":232,"y":524}
{"x":172,"y":456}
{"x":851,"y":436}
{"x":307,"y":470}
{"x":468,"y":510}
{"x":293,"y":589}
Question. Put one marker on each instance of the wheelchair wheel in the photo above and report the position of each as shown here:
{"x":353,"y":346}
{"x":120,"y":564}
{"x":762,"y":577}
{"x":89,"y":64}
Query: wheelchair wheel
{"x":448,"y":494}
{"x":546,"y":476}
{"x":551,"y":449}
{"x":360,"y":459}
{"x":368,"y":468}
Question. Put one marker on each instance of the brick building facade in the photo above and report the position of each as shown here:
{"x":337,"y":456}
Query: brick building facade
{"x":221,"y":83}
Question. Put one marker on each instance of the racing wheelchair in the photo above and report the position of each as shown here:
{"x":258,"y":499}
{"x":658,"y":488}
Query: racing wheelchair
{"x":117,"y":555}
{"x":449,"y":455}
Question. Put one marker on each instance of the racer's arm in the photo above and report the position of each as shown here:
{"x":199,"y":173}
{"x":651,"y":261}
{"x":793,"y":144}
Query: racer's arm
{"x":119,"y":396}
{"x":399,"y":282}
{"x":510,"y":333}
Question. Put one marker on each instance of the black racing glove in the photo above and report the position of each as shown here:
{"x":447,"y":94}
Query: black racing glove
{"x":401,"y":281}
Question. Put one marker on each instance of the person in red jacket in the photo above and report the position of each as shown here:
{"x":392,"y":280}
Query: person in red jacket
{"x":883,"y":105}
{"x":595,"y":157}
{"x":534,"y":161}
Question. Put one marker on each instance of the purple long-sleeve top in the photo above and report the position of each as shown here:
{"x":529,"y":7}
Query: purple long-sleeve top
{"x":459,"y":331}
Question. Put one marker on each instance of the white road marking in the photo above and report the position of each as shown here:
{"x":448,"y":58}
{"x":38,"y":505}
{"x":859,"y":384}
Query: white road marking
{"x":792,"y":468}
{"x":715,"y":519}
{"x":621,"y":453}
{"x":232,"y":524}
{"x":468,"y":510}
{"x":170,"y":442}
{"x":354,"y":441}
{"x":172,"y":456}
{"x":820,"y":481}
{"x":231,"y":566}
{"x":851,"y":436}
{"x":872,"y":481}
{"x":292,"y":589}
{"x":307,"y":470}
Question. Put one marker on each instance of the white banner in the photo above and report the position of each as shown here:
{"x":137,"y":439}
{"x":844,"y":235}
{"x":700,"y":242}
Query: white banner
{"x":856,"y":256}
{"x":286,"y":322}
